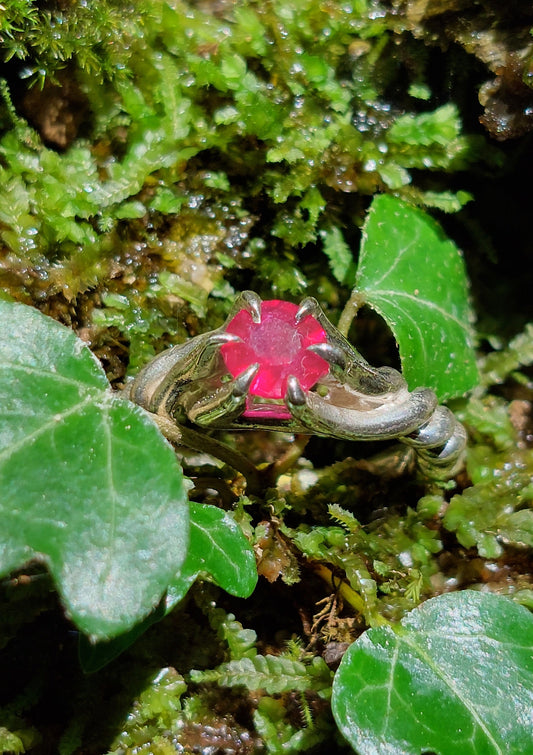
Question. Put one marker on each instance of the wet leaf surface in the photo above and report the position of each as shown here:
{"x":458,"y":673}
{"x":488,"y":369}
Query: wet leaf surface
{"x":456,"y":675}
{"x":414,"y":277}
{"x":218,"y":550}
{"x":88,"y":484}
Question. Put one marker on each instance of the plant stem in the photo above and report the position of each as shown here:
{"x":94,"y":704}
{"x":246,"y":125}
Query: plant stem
{"x":289,"y":458}
{"x":342,"y":587}
{"x":352,"y":306}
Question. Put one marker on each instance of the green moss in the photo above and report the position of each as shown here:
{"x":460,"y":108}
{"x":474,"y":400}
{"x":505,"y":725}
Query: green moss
{"x":95,"y":36}
{"x":229,"y":146}
{"x":274,"y":100}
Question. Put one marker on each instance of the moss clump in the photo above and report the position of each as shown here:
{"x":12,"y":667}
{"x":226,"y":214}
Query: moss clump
{"x":278,"y":116}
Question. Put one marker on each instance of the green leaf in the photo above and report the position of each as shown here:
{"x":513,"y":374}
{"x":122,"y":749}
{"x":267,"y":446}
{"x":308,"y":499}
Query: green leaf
{"x":88,"y":484}
{"x":394,"y":175}
{"x":420,"y":91}
{"x":485,"y":514}
{"x":10,"y":742}
{"x":234,"y":69}
{"x":498,"y":365}
{"x":415,"y":278}
{"x":166,"y":201}
{"x":128,"y":210}
{"x":447,"y":201}
{"x":456,"y":676}
{"x":218,"y":549}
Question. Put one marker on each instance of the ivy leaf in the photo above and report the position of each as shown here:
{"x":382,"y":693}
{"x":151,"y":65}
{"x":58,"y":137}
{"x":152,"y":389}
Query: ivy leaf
{"x":414,"y":277}
{"x":88,"y":484}
{"x":456,"y":675}
{"x":218,"y":550}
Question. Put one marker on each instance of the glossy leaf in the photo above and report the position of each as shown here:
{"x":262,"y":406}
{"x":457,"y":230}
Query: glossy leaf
{"x":88,"y":484}
{"x":415,"y":278}
{"x":456,"y":676}
{"x":218,"y":550}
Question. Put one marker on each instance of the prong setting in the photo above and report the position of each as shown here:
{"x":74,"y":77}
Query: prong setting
{"x":309,"y":306}
{"x":295,"y":392}
{"x":242,"y":383}
{"x":251,"y":302}
{"x":219,"y":338}
{"x":332,"y":354}
{"x":195,"y":382}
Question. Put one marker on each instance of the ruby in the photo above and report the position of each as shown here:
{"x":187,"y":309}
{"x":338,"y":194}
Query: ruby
{"x":279,"y":344}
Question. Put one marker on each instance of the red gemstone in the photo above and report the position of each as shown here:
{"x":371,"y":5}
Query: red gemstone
{"x":279,"y":345}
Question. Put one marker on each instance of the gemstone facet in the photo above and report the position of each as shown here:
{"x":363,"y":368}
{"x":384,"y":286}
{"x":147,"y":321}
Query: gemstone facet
{"x":279,"y":345}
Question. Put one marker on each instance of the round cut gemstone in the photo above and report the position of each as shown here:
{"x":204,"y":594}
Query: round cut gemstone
{"x":279,"y":344}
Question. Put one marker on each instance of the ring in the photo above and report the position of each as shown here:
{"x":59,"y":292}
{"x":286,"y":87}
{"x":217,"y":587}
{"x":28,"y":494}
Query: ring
{"x":279,"y":366}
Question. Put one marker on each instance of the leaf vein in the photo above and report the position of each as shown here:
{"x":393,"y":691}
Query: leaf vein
{"x":53,"y":422}
{"x":389,"y":295}
{"x":449,"y":682}
{"x":397,"y":259}
{"x":56,"y":376}
{"x":216,"y":546}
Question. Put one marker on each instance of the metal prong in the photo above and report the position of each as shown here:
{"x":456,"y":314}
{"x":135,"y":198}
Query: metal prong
{"x":219,"y":339}
{"x":295,"y":393}
{"x":213,"y":341}
{"x":251,"y":302}
{"x":243,"y":381}
{"x":333,"y":355}
{"x":309,"y":306}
